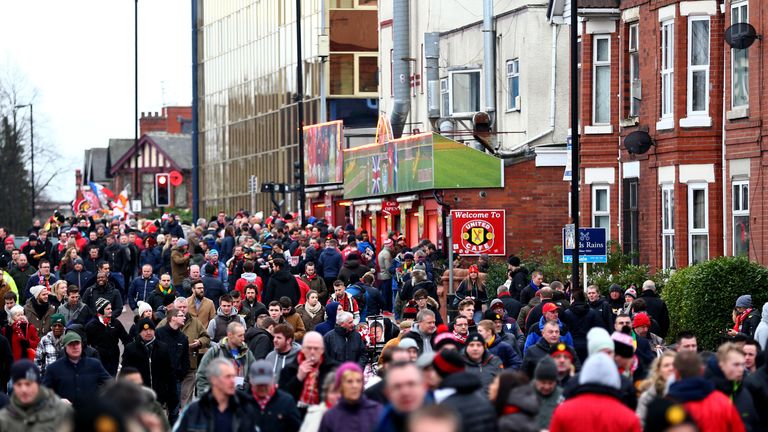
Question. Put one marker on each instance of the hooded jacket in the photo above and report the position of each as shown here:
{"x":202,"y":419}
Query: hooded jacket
{"x":279,"y":360}
{"x":46,"y":413}
{"x":353,"y":270}
{"x":329,"y":263}
{"x":344,"y":345}
{"x":741,"y":398}
{"x":711,"y":409}
{"x":331,"y":309}
{"x":361,"y":415}
{"x":475,"y":411}
{"x":217,"y":327}
{"x":524,"y":405}
{"x":581,"y":318}
{"x":761,"y":334}
{"x":595,"y":405}
{"x":487,"y":368}
{"x":282,"y":284}
{"x":657,"y":309}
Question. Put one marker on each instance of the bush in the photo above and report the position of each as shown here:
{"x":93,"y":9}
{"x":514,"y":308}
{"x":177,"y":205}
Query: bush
{"x":701,"y":297}
{"x":496,"y":276}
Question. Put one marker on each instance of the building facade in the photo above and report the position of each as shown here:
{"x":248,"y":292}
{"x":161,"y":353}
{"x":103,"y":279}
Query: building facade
{"x":247,"y":87}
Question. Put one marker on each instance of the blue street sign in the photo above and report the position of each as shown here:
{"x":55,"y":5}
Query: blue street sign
{"x":593,"y":245}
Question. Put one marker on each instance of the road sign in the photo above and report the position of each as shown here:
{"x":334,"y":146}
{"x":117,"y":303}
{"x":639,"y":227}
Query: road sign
{"x":476,"y":232}
{"x":593,"y":245}
{"x":176,"y":178}
{"x":136,"y":206}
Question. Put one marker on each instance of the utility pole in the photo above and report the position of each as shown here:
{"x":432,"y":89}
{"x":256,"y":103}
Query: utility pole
{"x":575,"y":143}
{"x":300,"y":108}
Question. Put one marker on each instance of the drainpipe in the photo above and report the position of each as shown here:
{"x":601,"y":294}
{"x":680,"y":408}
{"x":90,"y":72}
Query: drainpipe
{"x":723,"y":178}
{"x":432,"y":55}
{"x":489,"y":60}
{"x":401,"y":68}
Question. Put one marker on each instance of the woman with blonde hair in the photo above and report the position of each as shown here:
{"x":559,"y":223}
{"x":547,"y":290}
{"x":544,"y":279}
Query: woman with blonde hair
{"x":58,"y":293}
{"x":656,"y":385}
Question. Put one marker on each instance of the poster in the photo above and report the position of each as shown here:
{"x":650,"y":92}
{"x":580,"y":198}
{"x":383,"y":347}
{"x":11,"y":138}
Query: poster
{"x":477,"y":232}
{"x":323,"y":155}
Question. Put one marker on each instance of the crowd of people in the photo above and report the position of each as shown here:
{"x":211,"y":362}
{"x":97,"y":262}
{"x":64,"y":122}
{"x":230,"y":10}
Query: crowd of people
{"x":242,"y":324}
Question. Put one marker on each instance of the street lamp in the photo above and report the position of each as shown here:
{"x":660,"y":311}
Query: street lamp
{"x":32,"y":149}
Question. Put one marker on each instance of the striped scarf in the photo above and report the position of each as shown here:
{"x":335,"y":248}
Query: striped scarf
{"x":310,"y":393}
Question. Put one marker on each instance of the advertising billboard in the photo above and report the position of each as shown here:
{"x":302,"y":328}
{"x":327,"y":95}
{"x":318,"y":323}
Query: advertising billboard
{"x":323,"y":155}
{"x":476,"y":232}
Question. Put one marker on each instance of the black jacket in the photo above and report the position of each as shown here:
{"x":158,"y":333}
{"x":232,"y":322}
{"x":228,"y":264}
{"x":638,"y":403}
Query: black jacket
{"x":476,"y":412}
{"x":259,"y":342}
{"x":511,"y":305}
{"x":657,"y":309}
{"x":109,"y":292}
{"x":603,"y":310}
{"x":178,"y":348}
{"x":77,"y":382}
{"x":156,"y":298}
{"x":750,"y":323}
{"x":118,"y":258}
{"x":289,"y":380}
{"x":279,"y":415}
{"x":282,"y":284}
{"x":200,"y":415}
{"x":352,"y":270}
{"x":342,"y":346}
{"x":581,"y":318}
{"x":520,"y":279}
{"x":105,"y":339}
{"x":756,"y":384}
{"x":155,"y":367}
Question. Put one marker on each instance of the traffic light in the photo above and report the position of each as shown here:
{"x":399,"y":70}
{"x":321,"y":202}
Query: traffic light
{"x":162,"y":190}
{"x":297,"y":172}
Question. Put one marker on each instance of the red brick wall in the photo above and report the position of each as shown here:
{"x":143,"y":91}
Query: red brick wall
{"x":167,"y":121}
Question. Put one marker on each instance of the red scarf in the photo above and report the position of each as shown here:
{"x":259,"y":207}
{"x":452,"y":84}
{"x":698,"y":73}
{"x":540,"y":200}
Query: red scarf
{"x":740,"y":319}
{"x":310,"y":393}
{"x":265,"y":400}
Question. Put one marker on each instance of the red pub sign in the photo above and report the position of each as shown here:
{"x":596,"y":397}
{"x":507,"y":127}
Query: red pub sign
{"x":391,"y":208}
{"x":476,"y":232}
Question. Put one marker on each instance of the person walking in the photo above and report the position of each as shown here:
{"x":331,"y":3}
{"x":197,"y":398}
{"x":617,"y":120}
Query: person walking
{"x":34,"y":407}
{"x":354,"y":410}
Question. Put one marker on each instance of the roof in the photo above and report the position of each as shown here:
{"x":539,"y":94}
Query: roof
{"x":178,"y":147}
{"x":96,"y":169}
{"x":560,"y":8}
{"x":118,"y":147}
{"x":608,"y":4}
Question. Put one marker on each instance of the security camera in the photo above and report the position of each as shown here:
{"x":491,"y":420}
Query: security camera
{"x":456,"y":198}
{"x":483,"y":194}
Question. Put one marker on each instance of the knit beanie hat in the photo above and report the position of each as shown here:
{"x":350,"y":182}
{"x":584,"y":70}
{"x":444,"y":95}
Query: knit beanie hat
{"x":744,"y":301}
{"x":598,"y":339}
{"x":25,"y":369}
{"x":448,"y":362}
{"x":630,"y":292}
{"x":444,"y":339}
{"x":101,"y":304}
{"x":475,"y":337}
{"x":560,"y":348}
{"x":641,"y":320}
{"x":442,"y":328}
{"x":615,"y":287}
{"x":145,"y":324}
{"x":344,"y":368}
{"x":407,"y":342}
{"x":36,"y":290}
{"x":600,"y":369}
{"x":663,"y":414}
{"x":546,"y":370}
{"x":624,"y":345}
{"x":58,"y":318}
{"x":410,"y":310}
{"x":143,"y":307}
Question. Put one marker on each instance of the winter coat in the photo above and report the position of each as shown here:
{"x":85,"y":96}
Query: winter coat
{"x":524,"y":401}
{"x":352,"y":270}
{"x":217,"y":327}
{"x":479,"y":292}
{"x":296,"y":321}
{"x":344,"y":345}
{"x":534,"y":334}
{"x":178,"y":349}
{"x":141,"y":289}
{"x":77,"y":382}
{"x":157,"y":299}
{"x":487,"y":368}
{"x":205,"y":313}
{"x":520,"y":279}
{"x":581,"y":318}
{"x":200,"y":415}
{"x":282,"y":283}
{"x":318,"y":284}
{"x":289,"y":380}
{"x":540,"y":350}
{"x":259,"y":342}
{"x":710,"y":409}
{"x":242,"y":361}
{"x":6,"y":359}
{"x":511,"y":305}
{"x":524,"y":313}
{"x":220,"y":273}
{"x":155,"y":366}
{"x":331,"y":309}
{"x":756,"y":384}
{"x":78,"y":278}
{"x":361,"y":415}
{"x":603,"y":311}
{"x":48,"y":413}
{"x":41,"y":323}
{"x":192,"y":329}
{"x":153,"y":257}
{"x":329,"y":263}
{"x":21,"y":277}
{"x":593,"y":411}
{"x":105,"y":339}
{"x":761,"y":333}
{"x":279,"y":415}
{"x":20,"y":345}
{"x":741,"y":397}
{"x":547,"y":406}
{"x":750,"y":323}
{"x":279,"y":360}
{"x":657,"y":309}
{"x":528,"y":292}
{"x":311,"y":322}
{"x":79,"y":314}
{"x":179,"y":266}
{"x":475,"y":411}
{"x":108,"y":292}
{"x":34,"y":280}
{"x":213,"y":288}
{"x":509,"y":356}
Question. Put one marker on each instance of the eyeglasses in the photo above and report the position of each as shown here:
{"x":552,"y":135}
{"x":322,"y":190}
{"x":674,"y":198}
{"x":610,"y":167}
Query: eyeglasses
{"x":460,"y":325}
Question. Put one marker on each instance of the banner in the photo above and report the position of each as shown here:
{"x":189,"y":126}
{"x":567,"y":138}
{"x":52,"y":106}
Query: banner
{"x":323,"y":156}
{"x":476,"y":232}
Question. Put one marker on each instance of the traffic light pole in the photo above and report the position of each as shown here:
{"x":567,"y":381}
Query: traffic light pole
{"x":300,"y":109}
{"x":575,"y":144}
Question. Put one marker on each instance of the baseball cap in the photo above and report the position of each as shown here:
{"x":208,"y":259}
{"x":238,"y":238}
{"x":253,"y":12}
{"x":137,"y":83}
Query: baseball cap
{"x":261,"y":373}
{"x":549,"y":307}
{"x":69,"y":337}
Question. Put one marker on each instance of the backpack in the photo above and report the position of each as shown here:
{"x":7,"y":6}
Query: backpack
{"x":360,"y":294}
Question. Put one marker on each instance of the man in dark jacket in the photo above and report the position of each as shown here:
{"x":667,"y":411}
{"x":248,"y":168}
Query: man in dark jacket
{"x":312,"y":363}
{"x":214,"y":288}
{"x":141,"y":287}
{"x":511,"y":305}
{"x":173,"y":336}
{"x":517,"y":277}
{"x":116,"y":255}
{"x":276,"y":410}
{"x":476,"y":412}
{"x":158,"y":296}
{"x":657,"y":308}
{"x":79,"y":275}
{"x":353,"y":269}
{"x":153,"y":360}
{"x":543,"y":347}
{"x":344,"y":344}
{"x":75,"y":377}
{"x":529,"y":291}
{"x":282,"y":283}
{"x":757,"y":385}
{"x":259,"y":337}
{"x":600,"y":305}
{"x":580,"y":319}
{"x":103,"y":289}
{"x":329,"y":263}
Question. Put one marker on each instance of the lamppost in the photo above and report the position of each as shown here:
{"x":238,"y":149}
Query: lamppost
{"x":136,"y":191}
{"x":32,"y":149}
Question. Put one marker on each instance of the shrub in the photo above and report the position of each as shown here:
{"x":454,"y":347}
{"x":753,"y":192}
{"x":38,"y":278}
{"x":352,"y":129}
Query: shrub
{"x":496,"y":276}
{"x":700,"y":298}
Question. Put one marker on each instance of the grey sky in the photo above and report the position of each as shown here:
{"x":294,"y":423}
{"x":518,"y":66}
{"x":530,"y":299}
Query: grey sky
{"x":79,"y":58}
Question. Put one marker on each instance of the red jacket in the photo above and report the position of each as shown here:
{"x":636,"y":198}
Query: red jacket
{"x":595,"y":413}
{"x":715,"y":413}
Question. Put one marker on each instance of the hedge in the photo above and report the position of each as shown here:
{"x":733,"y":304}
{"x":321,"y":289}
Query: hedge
{"x":700,"y":298}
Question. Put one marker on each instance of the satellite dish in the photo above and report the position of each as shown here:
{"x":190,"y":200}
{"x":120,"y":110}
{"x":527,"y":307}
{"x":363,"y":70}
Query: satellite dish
{"x":741,"y":35}
{"x":638,"y":142}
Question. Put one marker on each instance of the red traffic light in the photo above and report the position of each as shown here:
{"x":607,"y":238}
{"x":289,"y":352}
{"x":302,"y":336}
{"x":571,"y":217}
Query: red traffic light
{"x":162,"y":179}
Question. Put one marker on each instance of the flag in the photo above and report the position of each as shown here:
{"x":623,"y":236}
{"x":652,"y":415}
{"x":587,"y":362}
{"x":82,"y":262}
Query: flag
{"x":376,"y":174}
{"x":101,"y":191}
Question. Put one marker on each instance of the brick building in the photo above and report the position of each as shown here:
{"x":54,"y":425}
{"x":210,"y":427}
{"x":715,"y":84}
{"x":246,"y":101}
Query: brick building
{"x":657,"y":67}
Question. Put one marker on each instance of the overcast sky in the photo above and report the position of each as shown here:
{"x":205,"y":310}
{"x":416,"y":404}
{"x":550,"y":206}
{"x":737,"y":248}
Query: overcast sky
{"x":78,"y":56}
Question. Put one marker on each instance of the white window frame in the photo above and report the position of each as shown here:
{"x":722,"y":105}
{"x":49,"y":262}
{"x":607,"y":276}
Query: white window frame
{"x":667,"y":225}
{"x":668,"y":68}
{"x":513,"y":74}
{"x":742,"y":8}
{"x":602,"y":213}
{"x":698,"y":68}
{"x":634,"y":58}
{"x":445,"y":98}
{"x":737,"y":207}
{"x":600,"y":64}
{"x":695,"y":232}
{"x":450,"y":90}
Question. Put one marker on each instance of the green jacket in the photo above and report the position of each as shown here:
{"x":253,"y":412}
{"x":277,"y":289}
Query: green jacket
{"x":242,"y":361}
{"x":547,"y":405}
{"x":48,"y":413}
